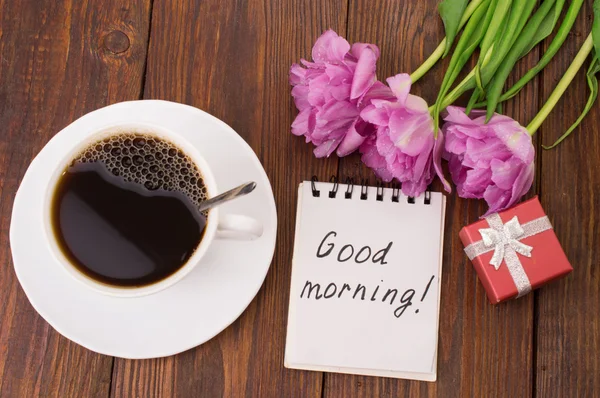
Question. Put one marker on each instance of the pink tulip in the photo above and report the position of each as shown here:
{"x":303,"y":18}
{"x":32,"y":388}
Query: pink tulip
{"x":492,"y":161}
{"x":331,"y":91}
{"x":404,"y":146}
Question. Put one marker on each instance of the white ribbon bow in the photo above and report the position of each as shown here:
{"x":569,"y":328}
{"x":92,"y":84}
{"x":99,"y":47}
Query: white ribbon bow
{"x":508,"y":235}
{"x":504,"y":240}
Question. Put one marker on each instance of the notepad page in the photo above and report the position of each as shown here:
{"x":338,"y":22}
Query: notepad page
{"x":365,"y":285}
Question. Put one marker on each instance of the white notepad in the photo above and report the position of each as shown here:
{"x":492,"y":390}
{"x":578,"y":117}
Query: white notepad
{"x":365,"y":288}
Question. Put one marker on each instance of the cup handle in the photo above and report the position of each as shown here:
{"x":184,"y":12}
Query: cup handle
{"x":235,"y":226}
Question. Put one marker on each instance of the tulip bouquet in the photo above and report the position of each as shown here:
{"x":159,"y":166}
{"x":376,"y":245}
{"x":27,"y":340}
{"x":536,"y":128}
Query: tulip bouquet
{"x":344,"y":107}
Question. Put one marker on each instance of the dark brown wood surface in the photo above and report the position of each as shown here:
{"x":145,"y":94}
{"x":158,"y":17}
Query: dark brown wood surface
{"x":567,"y":316}
{"x":58,"y":61}
{"x":61,"y":59}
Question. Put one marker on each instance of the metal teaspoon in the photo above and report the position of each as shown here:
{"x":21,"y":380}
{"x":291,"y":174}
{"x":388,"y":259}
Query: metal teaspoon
{"x":234,"y":193}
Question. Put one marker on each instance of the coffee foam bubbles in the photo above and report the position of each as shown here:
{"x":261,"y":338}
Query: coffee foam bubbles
{"x":149,"y":161}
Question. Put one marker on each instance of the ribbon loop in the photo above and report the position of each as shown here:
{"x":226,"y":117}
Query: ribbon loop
{"x":521,"y":248}
{"x":490,"y":237}
{"x":513,"y":228}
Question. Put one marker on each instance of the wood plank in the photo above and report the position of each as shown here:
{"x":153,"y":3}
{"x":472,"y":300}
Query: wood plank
{"x":568,"y":328}
{"x":484,"y":350}
{"x":58,"y":60}
{"x":232,"y":60}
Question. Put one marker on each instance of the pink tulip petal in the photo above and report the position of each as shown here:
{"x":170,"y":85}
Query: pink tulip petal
{"x":414,"y":188}
{"x":326,"y":149}
{"x":318,"y":90}
{"x":330,"y":47}
{"x":456,"y":115}
{"x":300,"y":123}
{"x":400,"y":86}
{"x":423,"y":161}
{"x":297,"y":75}
{"x":338,"y":74}
{"x":480,"y":153}
{"x":341,"y":92}
{"x":517,"y":140}
{"x":327,"y":145}
{"x":476,"y":182}
{"x":501,"y":119}
{"x":364,"y":75}
{"x":377,"y":116}
{"x":365,"y":129}
{"x":397,"y":165}
{"x":522,"y":184}
{"x":300,"y":94}
{"x":312,"y":65}
{"x":438,"y":147}
{"x":332,"y":126}
{"x":384,"y":145}
{"x":338,"y":110}
{"x":505,"y":173}
{"x":496,"y":198}
{"x":416,"y":104}
{"x":358,"y":48}
{"x":454,"y":143}
{"x":457,"y":171}
{"x":356,"y":135}
{"x":411,"y":133}
{"x":378,"y":92}
{"x":371,"y":158}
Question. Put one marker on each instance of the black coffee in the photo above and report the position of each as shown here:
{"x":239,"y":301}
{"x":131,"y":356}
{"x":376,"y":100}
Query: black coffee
{"x":125,"y":211}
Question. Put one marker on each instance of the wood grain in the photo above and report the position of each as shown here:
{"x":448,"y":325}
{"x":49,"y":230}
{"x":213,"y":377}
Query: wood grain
{"x":231,"y":59}
{"x":568,"y":327}
{"x":484,"y":350}
{"x":58,"y":60}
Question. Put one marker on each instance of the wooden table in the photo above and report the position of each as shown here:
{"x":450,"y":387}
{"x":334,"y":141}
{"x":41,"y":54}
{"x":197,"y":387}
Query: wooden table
{"x":62,"y":58}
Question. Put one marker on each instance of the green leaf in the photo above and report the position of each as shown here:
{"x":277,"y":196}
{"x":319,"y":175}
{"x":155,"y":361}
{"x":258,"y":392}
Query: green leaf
{"x":557,"y":42}
{"x":451,"y":12}
{"x":494,"y":89}
{"x":492,"y":34}
{"x":518,"y":16}
{"x":593,"y":84}
{"x":546,"y":26}
{"x":596,"y":27}
{"x":475,"y":96}
{"x":478,"y":78}
{"x":468,"y":42}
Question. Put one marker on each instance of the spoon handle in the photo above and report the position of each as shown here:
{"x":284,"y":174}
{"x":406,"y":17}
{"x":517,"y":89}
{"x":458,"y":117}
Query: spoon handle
{"x":234,"y":193}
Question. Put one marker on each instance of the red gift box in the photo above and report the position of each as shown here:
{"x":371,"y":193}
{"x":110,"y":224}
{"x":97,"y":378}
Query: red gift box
{"x":515,"y":251}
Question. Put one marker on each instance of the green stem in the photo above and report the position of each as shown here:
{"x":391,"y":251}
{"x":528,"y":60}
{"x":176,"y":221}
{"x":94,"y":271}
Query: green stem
{"x":439,"y":51}
{"x":459,"y":90}
{"x":428,"y":64}
{"x":562,"y":85}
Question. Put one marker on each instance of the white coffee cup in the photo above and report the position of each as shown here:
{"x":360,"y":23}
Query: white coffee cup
{"x":229,"y":226}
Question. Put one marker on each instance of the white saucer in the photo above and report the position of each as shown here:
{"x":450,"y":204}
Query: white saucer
{"x":176,"y":319}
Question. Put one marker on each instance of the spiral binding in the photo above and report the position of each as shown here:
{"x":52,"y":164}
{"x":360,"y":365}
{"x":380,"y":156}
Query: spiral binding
{"x":333,"y":191}
{"x":350,"y":184}
{"x":364,"y":194}
{"x":364,"y":191}
{"x":315,"y":191}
